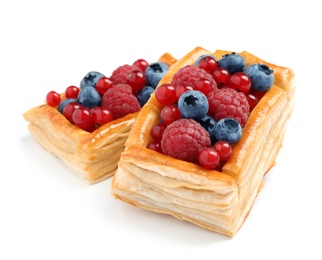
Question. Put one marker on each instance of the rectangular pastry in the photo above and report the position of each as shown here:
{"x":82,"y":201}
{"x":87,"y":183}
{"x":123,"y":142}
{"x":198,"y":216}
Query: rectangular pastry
{"x":216,"y":199}
{"x":91,"y":154}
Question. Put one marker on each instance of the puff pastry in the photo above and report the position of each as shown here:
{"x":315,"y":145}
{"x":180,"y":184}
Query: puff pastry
{"x":216,"y":201}
{"x":93,"y":157}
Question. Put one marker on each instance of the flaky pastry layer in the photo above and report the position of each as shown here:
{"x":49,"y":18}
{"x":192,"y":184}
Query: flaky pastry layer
{"x":217,"y":201}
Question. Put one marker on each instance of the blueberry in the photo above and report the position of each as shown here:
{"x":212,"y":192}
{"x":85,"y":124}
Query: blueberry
{"x":262,"y":76}
{"x":229,"y":130}
{"x":144,"y":95}
{"x":155,"y":72}
{"x":89,"y":97}
{"x":64,"y":103}
{"x":193,"y":104}
{"x":209,"y":123}
{"x":202,"y":56}
{"x":232,"y":62}
{"x":91,"y":78}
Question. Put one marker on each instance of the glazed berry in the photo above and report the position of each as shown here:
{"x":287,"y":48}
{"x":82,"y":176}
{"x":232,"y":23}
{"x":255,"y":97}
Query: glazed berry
{"x":208,"y":63}
{"x":232,"y":62}
{"x":205,"y":86}
{"x":193,"y":104}
{"x":157,"y":131}
{"x":166,"y":94}
{"x":224,"y":150}
{"x":253,"y":97}
{"x":261,"y":75}
{"x":136,"y":79}
{"x":169,"y":114}
{"x":209,"y":123}
{"x":141,"y":64}
{"x":69,"y":109}
{"x":119,"y":75}
{"x":209,"y":158}
{"x":89,"y":97}
{"x":221,"y":77}
{"x":72,"y":92}
{"x":64,"y":103}
{"x":202,"y":57}
{"x":82,"y":118}
{"x":144,"y":95}
{"x":181,"y":89}
{"x":91,"y":78}
{"x":227,"y":102}
{"x":189,"y":75}
{"x":229,"y":130}
{"x":120,"y":100}
{"x":53,"y":98}
{"x":240,"y":81}
{"x":101,"y":115}
{"x":103,"y":84}
{"x":155,"y":72}
{"x":155,"y":146}
{"x":184,"y":139}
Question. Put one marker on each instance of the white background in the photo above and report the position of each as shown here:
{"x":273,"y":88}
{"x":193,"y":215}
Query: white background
{"x":47,"y":213}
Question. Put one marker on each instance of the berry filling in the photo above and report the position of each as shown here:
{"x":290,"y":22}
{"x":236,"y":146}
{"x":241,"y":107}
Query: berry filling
{"x":205,"y":108}
{"x":99,"y":99}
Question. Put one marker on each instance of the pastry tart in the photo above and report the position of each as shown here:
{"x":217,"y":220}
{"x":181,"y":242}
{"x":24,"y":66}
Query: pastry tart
{"x":92,"y":156}
{"x":218,"y":201}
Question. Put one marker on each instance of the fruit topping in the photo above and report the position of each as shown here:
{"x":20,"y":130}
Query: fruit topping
{"x":91,"y":78}
{"x":227,"y":102}
{"x":194,"y":77}
{"x":184,"y":139}
{"x":261,"y":75}
{"x":53,"y":98}
{"x":120,"y":100}
{"x":155,"y":72}
{"x":205,"y":108}
{"x":232,"y":62}
{"x":229,"y":130}
{"x":104,"y":99}
{"x":193,"y":104}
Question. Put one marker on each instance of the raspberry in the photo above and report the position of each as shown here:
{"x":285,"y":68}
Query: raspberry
{"x":227,"y":102}
{"x":120,"y":100}
{"x":184,"y":139}
{"x":195,"y":77}
{"x":119,"y":75}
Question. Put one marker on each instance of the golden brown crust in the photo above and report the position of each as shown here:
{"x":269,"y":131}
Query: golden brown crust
{"x":218,"y":201}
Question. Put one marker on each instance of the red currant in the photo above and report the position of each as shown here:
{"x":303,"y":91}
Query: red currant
{"x":101,"y":115}
{"x":221,"y":76}
{"x":169,"y":114}
{"x":181,"y":89}
{"x":208,"y":63}
{"x":136,"y":79}
{"x":82,"y":117}
{"x":208,"y":158}
{"x":224,"y":150}
{"x":69,"y":110}
{"x":205,"y":86}
{"x":103,"y":84}
{"x":72,"y":92}
{"x":240,"y":81}
{"x":53,"y":98}
{"x":155,"y":146}
{"x":141,"y":64}
{"x":157,"y":131}
{"x":253,"y":97}
{"x":166,"y":94}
